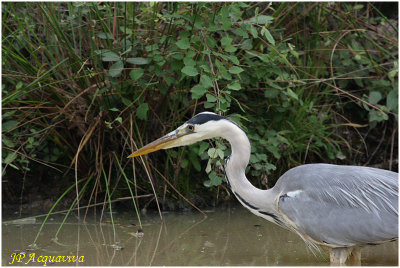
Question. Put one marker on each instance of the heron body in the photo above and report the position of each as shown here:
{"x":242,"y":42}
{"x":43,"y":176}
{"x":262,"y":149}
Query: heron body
{"x":341,"y":207}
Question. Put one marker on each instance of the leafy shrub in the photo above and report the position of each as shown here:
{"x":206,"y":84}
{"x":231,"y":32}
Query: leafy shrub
{"x":309,"y":82}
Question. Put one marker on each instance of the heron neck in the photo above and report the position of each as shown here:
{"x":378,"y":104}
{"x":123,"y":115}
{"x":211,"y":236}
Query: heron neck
{"x":235,"y":166}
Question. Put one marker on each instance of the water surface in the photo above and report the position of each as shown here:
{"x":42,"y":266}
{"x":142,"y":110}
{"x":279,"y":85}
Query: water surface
{"x":228,"y":236}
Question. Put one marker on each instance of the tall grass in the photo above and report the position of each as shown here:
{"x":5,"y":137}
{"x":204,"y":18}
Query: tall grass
{"x":84,"y":84}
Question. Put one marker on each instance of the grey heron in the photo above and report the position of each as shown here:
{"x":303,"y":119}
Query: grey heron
{"x":341,"y":207}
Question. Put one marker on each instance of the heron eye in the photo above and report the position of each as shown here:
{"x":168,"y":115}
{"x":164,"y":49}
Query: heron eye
{"x":190,"y":127}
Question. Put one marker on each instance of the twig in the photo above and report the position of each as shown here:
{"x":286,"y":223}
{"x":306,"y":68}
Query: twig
{"x":181,"y":195}
{"x":308,"y":147}
{"x":216,"y":87}
{"x":82,"y":144}
{"x":377,"y":147}
{"x":31,"y":158}
{"x":392,"y":145}
{"x":152,"y":185}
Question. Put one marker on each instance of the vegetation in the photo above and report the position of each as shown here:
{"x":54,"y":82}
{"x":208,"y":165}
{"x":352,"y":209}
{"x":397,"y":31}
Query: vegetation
{"x":85,"y":84}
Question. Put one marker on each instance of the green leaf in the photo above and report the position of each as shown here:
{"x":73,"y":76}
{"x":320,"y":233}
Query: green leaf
{"x":392,"y":100}
{"x":110,"y":56}
{"x":126,"y":101}
{"x":136,"y":74}
{"x":138,"y":61}
{"x":230,"y":48}
{"x":235,"y":86}
{"x":257,"y":166}
{"x":377,"y":116}
{"x":14,"y":166}
{"x":241,"y":32}
{"x":294,"y":53}
{"x":206,"y":81}
{"x":203,"y":146}
{"x":220,"y":153}
{"x":226,"y":40}
{"x":215,"y":180}
{"x":205,"y":68}
{"x":119,"y":119}
{"x":234,"y":59}
{"x":268,"y":36}
{"x":209,"y":105}
{"x":126,"y":30}
{"x":177,"y":55}
{"x":189,"y":61}
{"x":194,"y":160}
{"x":9,"y":125}
{"x":262,"y":157}
{"x":198,"y":91}
{"x":358,"y":6}
{"x":225,"y":75}
{"x":247,"y":44}
{"x":226,"y":43}
{"x":291,"y":94}
{"x":223,"y":56}
{"x":190,"y":71}
{"x":114,"y":109}
{"x":220,"y":66}
{"x":184,"y":163}
{"x":224,"y":18}
{"x":208,"y":167}
{"x":253,"y":159}
{"x":392,"y":74}
{"x":374,"y":97}
{"x":274,"y":151}
{"x":10,"y":157}
{"x":261,"y":19}
{"x":211,"y":42}
{"x":235,"y":70}
{"x":7,"y":142}
{"x":212,"y":152}
{"x":269,"y":166}
{"x":271,"y":93}
{"x":211,"y":98}
{"x":116,"y":69}
{"x":8,"y":114}
{"x":183,"y":43}
{"x":253,"y":32}
{"x":141,"y":111}
{"x":105,"y":36}
{"x":20,"y":84}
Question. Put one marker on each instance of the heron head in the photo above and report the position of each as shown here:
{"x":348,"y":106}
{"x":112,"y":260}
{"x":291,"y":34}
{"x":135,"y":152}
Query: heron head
{"x":203,"y":126}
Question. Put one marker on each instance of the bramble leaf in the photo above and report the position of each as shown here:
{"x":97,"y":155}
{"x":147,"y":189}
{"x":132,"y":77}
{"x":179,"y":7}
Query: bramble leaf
{"x":183,"y":43}
{"x":138,"y":60}
{"x":141,"y":111}
{"x":116,"y":69}
{"x":235,"y":70}
{"x":190,"y":71}
{"x":198,"y":91}
{"x":136,"y":74}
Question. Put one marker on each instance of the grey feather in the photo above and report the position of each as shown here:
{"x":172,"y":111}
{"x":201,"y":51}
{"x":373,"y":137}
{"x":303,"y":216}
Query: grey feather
{"x":341,"y":205}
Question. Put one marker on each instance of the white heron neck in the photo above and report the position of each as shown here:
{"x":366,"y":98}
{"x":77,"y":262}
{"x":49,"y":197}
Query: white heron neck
{"x":235,"y":166}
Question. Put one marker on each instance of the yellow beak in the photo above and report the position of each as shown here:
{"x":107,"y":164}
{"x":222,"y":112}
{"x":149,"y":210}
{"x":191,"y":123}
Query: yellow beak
{"x":168,"y":141}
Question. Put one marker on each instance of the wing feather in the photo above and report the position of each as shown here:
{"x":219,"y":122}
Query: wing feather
{"x":341,"y":205}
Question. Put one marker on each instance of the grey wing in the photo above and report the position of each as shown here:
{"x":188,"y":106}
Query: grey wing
{"x":341,"y":205}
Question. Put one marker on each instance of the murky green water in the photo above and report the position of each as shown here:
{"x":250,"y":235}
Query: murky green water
{"x":228,"y":236}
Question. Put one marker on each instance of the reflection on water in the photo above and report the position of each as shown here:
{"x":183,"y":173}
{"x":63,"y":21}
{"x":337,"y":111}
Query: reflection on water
{"x":229,"y":236}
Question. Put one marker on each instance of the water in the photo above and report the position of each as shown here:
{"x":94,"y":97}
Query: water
{"x":228,"y":236}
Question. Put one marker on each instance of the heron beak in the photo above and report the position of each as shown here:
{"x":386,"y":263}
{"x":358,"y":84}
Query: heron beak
{"x":165,"y":142}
